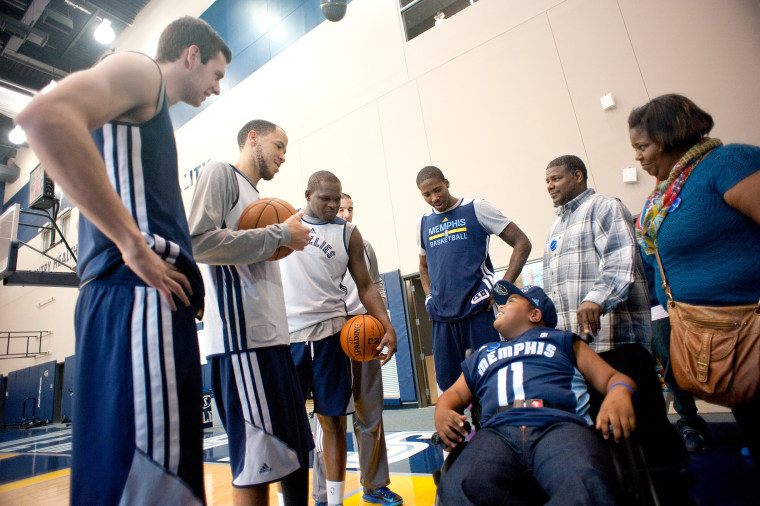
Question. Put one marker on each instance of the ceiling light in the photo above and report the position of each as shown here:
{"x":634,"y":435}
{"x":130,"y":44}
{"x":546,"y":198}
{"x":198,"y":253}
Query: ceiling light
{"x":104,"y":33}
{"x":17,"y":136}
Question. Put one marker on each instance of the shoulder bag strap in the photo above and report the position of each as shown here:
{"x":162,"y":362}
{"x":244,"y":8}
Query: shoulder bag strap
{"x":662,"y":273}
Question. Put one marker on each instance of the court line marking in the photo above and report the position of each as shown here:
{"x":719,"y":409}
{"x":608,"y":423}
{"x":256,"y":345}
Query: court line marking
{"x":34,"y":480}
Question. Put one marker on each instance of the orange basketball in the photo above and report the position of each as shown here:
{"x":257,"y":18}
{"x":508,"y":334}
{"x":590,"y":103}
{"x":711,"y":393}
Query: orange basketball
{"x":360,"y":337}
{"x":265,"y":212}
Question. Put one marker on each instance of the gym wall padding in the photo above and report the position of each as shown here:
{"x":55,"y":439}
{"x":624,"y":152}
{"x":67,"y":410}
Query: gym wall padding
{"x":206,"y":378}
{"x":404,"y":366}
{"x":3,"y":381}
{"x":67,"y":393}
{"x":31,"y":394}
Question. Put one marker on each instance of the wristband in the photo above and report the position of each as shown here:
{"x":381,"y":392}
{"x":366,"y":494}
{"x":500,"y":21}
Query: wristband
{"x":626,"y":385}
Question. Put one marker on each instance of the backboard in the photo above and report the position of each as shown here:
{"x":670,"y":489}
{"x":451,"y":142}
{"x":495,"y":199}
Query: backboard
{"x":9,"y":245}
{"x":8,"y":240}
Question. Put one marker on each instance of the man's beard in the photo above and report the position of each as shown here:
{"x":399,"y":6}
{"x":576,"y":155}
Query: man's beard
{"x":264,"y":171}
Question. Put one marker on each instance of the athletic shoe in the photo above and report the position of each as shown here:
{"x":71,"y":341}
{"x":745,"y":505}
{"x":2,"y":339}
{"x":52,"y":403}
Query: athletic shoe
{"x":320,"y":503}
{"x":382,"y":495}
{"x":693,"y":441}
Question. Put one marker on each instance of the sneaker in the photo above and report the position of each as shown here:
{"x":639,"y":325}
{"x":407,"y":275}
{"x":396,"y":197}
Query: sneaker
{"x":320,"y":503}
{"x":382,"y":495}
{"x":693,"y":441}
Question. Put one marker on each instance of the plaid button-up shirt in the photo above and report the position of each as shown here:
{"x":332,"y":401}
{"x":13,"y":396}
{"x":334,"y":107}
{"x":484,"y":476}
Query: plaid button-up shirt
{"x":591,"y":255}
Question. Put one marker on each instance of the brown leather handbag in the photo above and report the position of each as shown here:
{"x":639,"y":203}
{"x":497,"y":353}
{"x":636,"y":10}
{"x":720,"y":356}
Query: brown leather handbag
{"x":715,"y":351}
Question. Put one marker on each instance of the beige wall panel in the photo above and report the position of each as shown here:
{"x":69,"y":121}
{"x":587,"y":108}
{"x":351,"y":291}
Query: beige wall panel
{"x":705,"y":49}
{"x":469,"y":28}
{"x":406,"y":152}
{"x":338,"y":67}
{"x":593,"y":69}
{"x":34,"y":309}
{"x":21,"y":311}
{"x":289,"y":183}
{"x":494,"y":117}
{"x":352,"y":149}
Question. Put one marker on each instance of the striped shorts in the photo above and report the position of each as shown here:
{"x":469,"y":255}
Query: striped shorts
{"x":261,"y":406}
{"x":137,"y":423}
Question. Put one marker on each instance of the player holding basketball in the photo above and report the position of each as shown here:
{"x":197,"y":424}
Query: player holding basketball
{"x":246,"y":329}
{"x":367,"y":387}
{"x":137,"y":408}
{"x":456,"y":271}
{"x":316,"y":314}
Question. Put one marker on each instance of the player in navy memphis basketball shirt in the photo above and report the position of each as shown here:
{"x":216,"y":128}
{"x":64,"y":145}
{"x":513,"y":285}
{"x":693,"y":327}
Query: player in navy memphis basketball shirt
{"x":530,"y":410}
{"x":137,"y":386}
{"x":456,"y":271}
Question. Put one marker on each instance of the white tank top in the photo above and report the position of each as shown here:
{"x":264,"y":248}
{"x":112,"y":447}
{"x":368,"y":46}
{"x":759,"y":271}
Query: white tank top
{"x":312,"y":277}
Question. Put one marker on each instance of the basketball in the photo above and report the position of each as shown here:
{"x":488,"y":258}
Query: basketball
{"x":265,"y":212}
{"x":360,"y":337}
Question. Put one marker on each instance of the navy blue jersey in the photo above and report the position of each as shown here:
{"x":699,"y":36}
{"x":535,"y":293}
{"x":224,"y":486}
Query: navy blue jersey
{"x":540,"y":364}
{"x":460,"y":270}
{"x":141,"y":161}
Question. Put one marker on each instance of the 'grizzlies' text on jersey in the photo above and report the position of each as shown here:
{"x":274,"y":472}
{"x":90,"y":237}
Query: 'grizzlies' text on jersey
{"x":314,"y":274}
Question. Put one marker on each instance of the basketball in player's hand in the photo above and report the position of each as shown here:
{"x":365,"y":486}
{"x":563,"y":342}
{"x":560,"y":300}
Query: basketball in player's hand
{"x":264,"y":212}
{"x":360,"y":337}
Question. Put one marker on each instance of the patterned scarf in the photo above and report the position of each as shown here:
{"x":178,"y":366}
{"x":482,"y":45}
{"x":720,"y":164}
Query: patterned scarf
{"x":666,"y":191}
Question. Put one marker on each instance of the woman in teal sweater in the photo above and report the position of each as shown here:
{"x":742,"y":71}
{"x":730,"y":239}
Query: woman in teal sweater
{"x":703,"y":215}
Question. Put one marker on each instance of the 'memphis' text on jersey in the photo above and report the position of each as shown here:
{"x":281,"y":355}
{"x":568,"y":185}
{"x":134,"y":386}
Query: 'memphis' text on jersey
{"x":525,"y":348}
{"x":448,"y":230}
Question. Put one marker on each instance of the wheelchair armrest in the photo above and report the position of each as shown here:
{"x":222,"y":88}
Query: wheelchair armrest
{"x":435,"y":439}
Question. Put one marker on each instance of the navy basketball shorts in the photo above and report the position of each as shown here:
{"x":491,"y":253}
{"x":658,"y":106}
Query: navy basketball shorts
{"x":137,"y":424}
{"x":262,"y":408}
{"x":452,"y":339}
{"x":325,"y":371}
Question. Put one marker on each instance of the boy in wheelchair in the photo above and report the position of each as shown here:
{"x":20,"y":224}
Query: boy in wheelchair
{"x":529,"y":420}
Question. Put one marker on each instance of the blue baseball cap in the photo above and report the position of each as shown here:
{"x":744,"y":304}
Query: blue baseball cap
{"x":535,"y":294}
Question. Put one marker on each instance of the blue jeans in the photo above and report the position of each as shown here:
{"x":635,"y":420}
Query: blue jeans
{"x":568,"y":460}
{"x":683,"y":401}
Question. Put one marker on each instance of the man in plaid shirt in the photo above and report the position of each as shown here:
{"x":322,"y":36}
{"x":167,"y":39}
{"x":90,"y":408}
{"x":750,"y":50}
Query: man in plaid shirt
{"x":594,"y":276}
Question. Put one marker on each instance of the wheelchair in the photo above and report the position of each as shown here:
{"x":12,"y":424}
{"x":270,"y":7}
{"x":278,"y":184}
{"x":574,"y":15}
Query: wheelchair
{"x":636,"y":485}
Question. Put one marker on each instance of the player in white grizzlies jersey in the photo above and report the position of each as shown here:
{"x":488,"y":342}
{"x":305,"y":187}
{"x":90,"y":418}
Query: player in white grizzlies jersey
{"x":246,"y":331}
{"x":137,"y":433}
{"x":367,"y":389}
{"x":317,"y":312}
